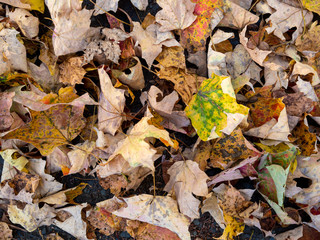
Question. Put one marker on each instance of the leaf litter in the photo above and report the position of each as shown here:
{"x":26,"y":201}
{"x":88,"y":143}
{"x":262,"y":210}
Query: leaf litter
{"x":187,"y":112}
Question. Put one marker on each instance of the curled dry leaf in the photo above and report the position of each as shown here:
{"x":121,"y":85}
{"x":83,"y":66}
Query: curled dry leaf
{"x":159,"y":211}
{"x":186,"y":178}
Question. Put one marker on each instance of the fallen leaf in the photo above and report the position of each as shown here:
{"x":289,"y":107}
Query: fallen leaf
{"x":151,"y":40}
{"x":286,"y":17}
{"x":211,"y":205}
{"x":47,"y":183}
{"x":311,"y":5}
{"x":72,"y":27}
{"x":186,"y":179}
{"x":79,"y":156}
{"x":6,"y":231}
{"x":309,"y":41}
{"x":31,"y":216}
{"x":28,"y":23}
{"x":304,"y":139}
{"x":13,"y":52}
{"x":103,"y":6}
{"x":135,"y":150}
{"x":293,"y":234}
{"x":51,"y":128}
{"x":194,"y":37}
{"x":230,"y":149}
{"x":112,"y":102}
{"x":175,"y":14}
{"x":214,"y":110}
{"x":6,"y":120}
{"x":73,"y":224}
{"x":256,"y":54}
{"x":71,"y":71}
{"x":150,"y":209}
{"x":140,"y":4}
{"x":237,"y":17}
{"x":172,"y":57}
{"x":27,"y":4}
{"x":12,"y":157}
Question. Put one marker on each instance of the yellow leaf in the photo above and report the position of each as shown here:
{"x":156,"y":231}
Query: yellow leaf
{"x":35,"y":4}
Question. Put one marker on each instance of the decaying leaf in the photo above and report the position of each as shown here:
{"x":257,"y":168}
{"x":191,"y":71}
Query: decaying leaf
{"x":230,"y":149}
{"x":159,"y":211}
{"x":71,"y":71}
{"x":31,"y":216}
{"x":214,"y":110}
{"x":51,"y":128}
{"x":186,"y":178}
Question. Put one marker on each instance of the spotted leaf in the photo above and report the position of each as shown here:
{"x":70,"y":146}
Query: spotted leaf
{"x":214,"y":110}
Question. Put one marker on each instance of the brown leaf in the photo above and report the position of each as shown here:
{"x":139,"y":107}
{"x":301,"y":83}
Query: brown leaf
{"x":6,"y":120}
{"x":184,"y":83}
{"x":71,"y":71}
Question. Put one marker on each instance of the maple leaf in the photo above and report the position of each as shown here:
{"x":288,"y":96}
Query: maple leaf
{"x":214,"y":110}
{"x":175,"y":14}
{"x":230,"y":149}
{"x":159,"y":211}
{"x":112,"y":102}
{"x":151,"y":40}
{"x":286,"y":17}
{"x":51,"y":128}
{"x":186,"y":178}
{"x":31,"y":216}
{"x":135,"y":150}
{"x":194,"y":37}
